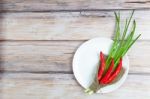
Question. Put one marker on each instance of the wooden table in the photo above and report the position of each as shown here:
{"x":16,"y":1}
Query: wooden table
{"x":38,"y":39}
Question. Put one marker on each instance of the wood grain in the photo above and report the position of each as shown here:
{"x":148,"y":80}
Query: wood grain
{"x":67,"y":25}
{"x":64,"y":86}
{"x":38,"y":39}
{"x":56,"y":56}
{"x":57,"y":5}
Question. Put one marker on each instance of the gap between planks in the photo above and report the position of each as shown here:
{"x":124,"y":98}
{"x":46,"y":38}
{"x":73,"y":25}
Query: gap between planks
{"x":57,"y":72}
{"x":48,"y":76}
{"x":75,"y":10}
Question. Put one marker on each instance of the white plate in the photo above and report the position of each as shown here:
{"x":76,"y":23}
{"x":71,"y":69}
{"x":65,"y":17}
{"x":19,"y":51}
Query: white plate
{"x":86,"y":59}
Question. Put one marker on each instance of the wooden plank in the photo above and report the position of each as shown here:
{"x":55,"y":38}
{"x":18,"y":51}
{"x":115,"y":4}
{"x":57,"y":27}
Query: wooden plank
{"x":64,"y":86}
{"x":50,"y":5}
{"x":66,"y":25}
{"x":56,"y":56}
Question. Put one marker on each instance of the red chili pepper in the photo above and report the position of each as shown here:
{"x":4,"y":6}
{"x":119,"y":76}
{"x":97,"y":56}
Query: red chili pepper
{"x":102,"y":66}
{"x":115,"y":73}
{"x":108,"y":73}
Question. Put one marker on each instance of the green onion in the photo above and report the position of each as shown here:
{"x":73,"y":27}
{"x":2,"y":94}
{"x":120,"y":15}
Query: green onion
{"x":121,"y":44}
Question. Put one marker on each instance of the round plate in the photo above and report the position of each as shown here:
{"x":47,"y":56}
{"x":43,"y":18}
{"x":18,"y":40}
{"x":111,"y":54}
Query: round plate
{"x":86,"y":59}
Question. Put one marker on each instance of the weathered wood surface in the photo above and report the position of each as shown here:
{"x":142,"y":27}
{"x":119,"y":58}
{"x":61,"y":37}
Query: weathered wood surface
{"x":67,"y":25}
{"x":56,"y":56}
{"x":38,"y":39}
{"x":64,"y":86}
{"x":54,"y":5}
